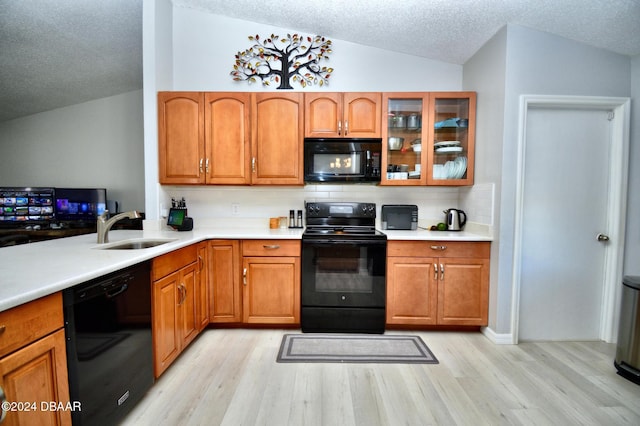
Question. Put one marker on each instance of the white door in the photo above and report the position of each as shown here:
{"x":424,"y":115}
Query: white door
{"x":565,"y":202}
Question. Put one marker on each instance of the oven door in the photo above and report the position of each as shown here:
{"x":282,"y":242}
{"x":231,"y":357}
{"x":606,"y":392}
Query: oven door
{"x":327,"y":160}
{"x":341,"y":273}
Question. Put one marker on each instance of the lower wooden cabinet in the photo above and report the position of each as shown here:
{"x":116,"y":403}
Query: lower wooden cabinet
{"x":271,"y":281}
{"x":223,"y":269}
{"x":438,"y":283}
{"x":202,"y":283}
{"x":33,"y":363}
{"x":175,"y":304}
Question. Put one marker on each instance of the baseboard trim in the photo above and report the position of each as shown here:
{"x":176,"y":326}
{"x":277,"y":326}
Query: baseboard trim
{"x":498,"y":339}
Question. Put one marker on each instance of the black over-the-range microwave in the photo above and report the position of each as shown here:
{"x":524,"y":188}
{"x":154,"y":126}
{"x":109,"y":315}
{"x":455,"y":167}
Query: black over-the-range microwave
{"x":334,"y":160}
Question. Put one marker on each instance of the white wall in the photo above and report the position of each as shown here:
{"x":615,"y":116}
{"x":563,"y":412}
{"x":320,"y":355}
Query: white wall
{"x":485,"y":73}
{"x":534,"y":63}
{"x":204,"y":48}
{"x":632,"y":242}
{"x":92,"y":144}
{"x":202,"y":56}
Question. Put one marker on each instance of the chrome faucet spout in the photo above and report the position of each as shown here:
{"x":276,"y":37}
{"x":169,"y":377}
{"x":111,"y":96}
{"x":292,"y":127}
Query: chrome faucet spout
{"x":104,"y":224}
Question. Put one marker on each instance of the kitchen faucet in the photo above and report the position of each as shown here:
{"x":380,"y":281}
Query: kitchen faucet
{"x":104,"y":225}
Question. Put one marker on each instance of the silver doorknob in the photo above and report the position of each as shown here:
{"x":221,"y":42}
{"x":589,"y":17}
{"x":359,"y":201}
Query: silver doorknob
{"x":602,"y":237}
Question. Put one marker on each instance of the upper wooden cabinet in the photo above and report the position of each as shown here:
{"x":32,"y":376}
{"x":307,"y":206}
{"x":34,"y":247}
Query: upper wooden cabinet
{"x":181,"y":149}
{"x":277,"y":121}
{"x":227,"y":138}
{"x":429,"y":138}
{"x":337,"y":115}
{"x":240,"y":138}
{"x":451,"y":138}
{"x":230,"y":138}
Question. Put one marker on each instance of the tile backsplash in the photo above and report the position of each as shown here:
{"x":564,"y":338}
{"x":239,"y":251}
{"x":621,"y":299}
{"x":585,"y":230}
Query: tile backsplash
{"x":271,"y":201}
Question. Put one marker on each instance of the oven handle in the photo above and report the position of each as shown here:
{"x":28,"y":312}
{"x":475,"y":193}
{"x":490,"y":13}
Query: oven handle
{"x":332,"y":242}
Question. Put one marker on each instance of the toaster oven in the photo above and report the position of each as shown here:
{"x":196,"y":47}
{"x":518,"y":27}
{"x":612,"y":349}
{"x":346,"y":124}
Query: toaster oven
{"x":400,"y":216}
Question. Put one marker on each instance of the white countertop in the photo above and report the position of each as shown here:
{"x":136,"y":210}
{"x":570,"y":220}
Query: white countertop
{"x":31,"y":271}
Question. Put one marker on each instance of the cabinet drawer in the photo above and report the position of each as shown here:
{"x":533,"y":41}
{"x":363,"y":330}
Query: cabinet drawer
{"x":271,"y":248}
{"x":171,"y":262}
{"x":27,"y":323}
{"x":468,"y":249}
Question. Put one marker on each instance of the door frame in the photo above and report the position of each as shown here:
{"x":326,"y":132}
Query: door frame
{"x":616,"y":208}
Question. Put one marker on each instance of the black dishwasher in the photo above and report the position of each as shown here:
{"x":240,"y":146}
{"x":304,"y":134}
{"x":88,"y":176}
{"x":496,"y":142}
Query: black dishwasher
{"x":109,"y":347}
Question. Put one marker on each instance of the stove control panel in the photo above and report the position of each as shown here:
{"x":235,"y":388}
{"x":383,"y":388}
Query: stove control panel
{"x":341,"y":209}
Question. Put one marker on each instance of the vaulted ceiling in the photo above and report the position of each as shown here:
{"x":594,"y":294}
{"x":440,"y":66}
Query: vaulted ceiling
{"x":63,"y":52}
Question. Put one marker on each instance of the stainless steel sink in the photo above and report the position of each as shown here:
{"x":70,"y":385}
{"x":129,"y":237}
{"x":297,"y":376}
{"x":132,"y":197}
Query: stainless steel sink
{"x":136,"y":244}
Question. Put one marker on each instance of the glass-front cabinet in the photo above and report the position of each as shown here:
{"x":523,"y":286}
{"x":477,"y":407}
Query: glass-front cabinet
{"x":403,"y":159}
{"x":451,"y":141}
{"x":428,"y":138}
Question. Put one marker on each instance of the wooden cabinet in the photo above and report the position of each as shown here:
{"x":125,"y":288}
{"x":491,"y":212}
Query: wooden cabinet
{"x":437,"y":282}
{"x":277,"y":121}
{"x":181,"y":149}
{"x":33,"y":362}
{"x":334,"y":115}
{"x":271,"y":281}
{"x":230,"y":138}
{"x":225,"y":292}
{"x":451,"y":138}
{"x":412,"y":290}
{"x":437,"y":133}
{"x":407,"y":121}
{"x":175,"y":301}
{"x":202,"y":282}
{"x":227,"y":138}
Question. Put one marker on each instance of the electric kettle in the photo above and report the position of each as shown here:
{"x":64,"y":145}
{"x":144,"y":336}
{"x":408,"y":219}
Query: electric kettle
{"x":455,"y":219}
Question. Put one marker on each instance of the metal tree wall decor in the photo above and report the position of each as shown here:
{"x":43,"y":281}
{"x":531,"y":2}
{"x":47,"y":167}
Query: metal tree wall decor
{"x":298,"y":59}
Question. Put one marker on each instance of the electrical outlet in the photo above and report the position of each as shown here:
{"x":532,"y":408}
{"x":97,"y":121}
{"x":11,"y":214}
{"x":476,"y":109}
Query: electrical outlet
{"x":235,"y":209}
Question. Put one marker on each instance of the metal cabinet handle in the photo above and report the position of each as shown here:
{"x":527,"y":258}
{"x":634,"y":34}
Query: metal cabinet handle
{"x":339,"y":127}
{"x":200,"y":168}
{"x":441,"y":272}
{"x":438,"y":248}
{"x":346,"y":127}
{"x":602,"y":237}
{"x":3,"y":328}
{"x":183,"y":294}
{"x":206,"y":167}
{"x":253,"y":164}
{"x":200,"y":263}
{"x":435,"y":271}
{"x":244,"y":276}
{"x":271,"y":247}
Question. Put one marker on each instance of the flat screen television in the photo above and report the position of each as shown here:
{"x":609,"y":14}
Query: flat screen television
{"x":80,"y":204}
{"x":26,"y":206}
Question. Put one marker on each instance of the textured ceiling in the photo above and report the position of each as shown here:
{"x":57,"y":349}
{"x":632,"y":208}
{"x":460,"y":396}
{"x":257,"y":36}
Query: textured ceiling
{"x":55,"y":53}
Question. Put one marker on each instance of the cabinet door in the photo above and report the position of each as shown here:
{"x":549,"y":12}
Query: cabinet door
{"x":277,"y":134}
{"x":34,"y":374}
{"x":223,"y":266}
{"x":406,"y":118}
{"x":228,"y":158}
{"x":411,"y":290}
{"x":181,"y":152}
{"x":271,"y":290}
{"x":361,"y":115}
{"x":451,"y":138}
{"x":187,"y":305}
{"x":166,"y":338}
{"x":202,"y":307}
{"x":336,"y":115}
{"x":323,"y":115}
{"x":463,"y":291}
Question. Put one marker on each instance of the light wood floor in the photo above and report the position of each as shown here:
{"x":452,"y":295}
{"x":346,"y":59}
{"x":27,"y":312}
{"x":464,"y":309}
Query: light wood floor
{"x":230,"y":377}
